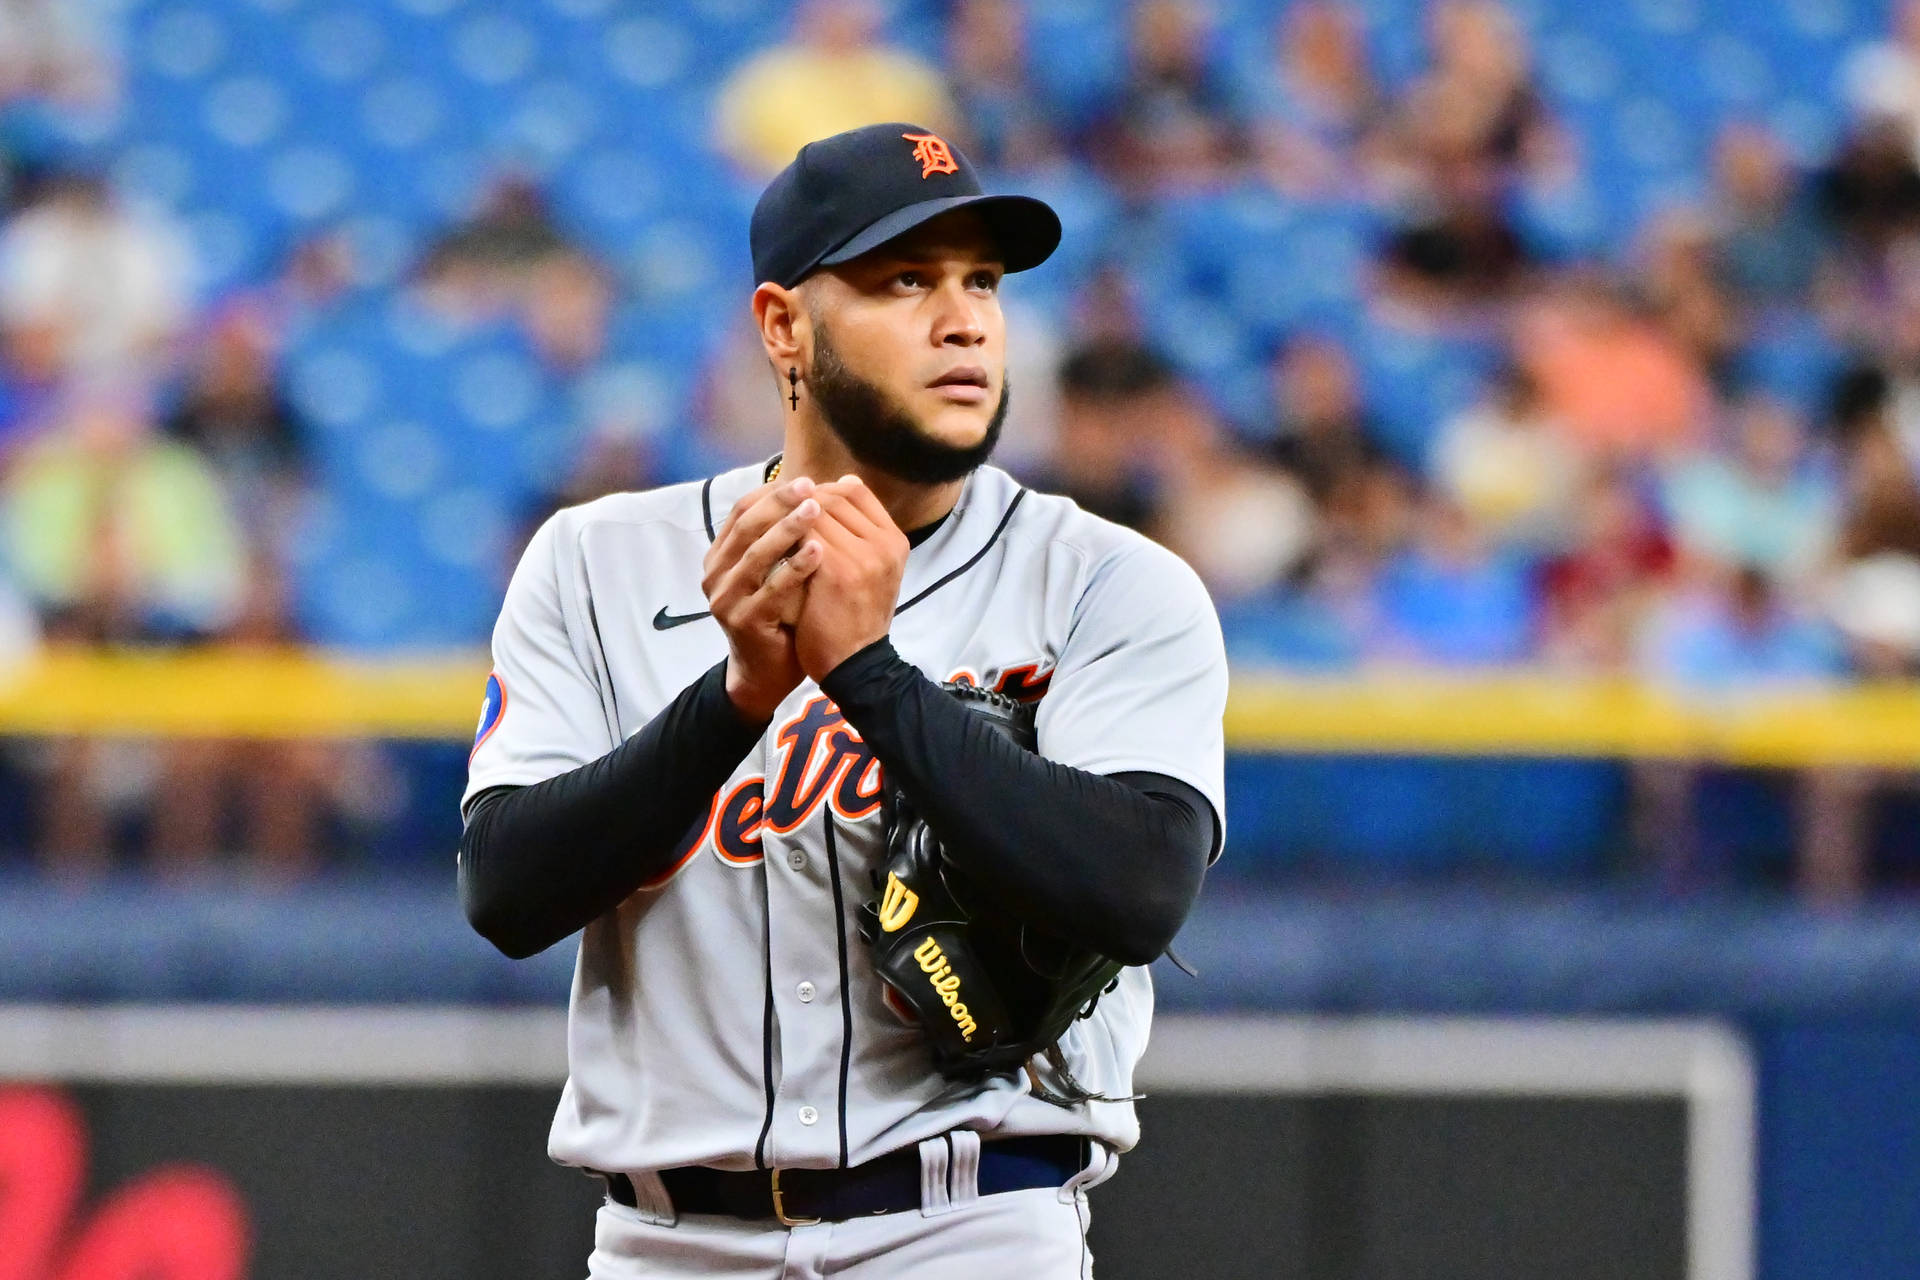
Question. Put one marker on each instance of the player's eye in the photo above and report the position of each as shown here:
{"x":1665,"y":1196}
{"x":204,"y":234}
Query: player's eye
{"x":911,"y":279}
{"x":987,"y":280}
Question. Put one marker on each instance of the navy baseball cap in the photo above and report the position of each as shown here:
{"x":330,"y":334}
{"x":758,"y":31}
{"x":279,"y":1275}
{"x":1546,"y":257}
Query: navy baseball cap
{"x":853,"y":192}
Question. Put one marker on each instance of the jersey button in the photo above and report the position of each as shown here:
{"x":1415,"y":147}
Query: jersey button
{"x":805,"y":992}
{"x":796,"y":859}
{"x":808,"y":1115}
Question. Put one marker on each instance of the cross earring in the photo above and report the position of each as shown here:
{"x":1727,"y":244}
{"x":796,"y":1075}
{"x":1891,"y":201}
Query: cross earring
{"x":793,"y":384}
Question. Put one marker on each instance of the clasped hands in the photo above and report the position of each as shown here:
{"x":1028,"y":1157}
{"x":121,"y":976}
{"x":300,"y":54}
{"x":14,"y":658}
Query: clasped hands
{"x":800,"y":577}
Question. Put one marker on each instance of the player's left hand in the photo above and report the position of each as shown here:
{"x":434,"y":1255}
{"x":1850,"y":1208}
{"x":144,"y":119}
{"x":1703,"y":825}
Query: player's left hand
{"x":850,"y":598}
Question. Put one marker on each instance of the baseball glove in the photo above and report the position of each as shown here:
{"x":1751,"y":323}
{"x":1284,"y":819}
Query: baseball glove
{"x":991,"y":993}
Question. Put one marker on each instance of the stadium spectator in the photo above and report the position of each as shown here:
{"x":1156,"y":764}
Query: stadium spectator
{"x":117,"y":533}
{"x":1891,"y":362}
{"x":1759,"y":505}
{"x":1478,"y":47}
{"x":482,"y":267}
{"x":1769,"y":241}
{"x":1595,"y":594}
{"x":1868,"y":199}
{"x":1448,"y":599}
{"x":1364,"y":525}
{"x":1321,"y":433}
{"x":1678,"y":285}
{"x":1174,"y":125}
{"x":317,"y":274}
{"x":90,"y":288}
{"x":509,"y":262}
{"x":232,"y":411}
{"x":1508,"y":466}
{"x":31,"y":386}
{"x":1454,"y":246}
{"x":1870,"y":191}
{"x":1882,"y":80}
{"x":1318,"y":107}
{"x":1458,"y":251}
{"x":1112,"y":392}
{"x":1731,"y":627}
{"x":1463,"y":135}
{"x":1244,"y":527}
{"x":1875,"y":596}
{"x":565,"y":309}
{"x":1873,"y":602}
{"x":832,"y":74}
{"x":1732,"y":631}
{"x":58,"y":51}
{"x":1620,"y":385}
{"x":1882,"y":496}
{"x":1875,"y":606}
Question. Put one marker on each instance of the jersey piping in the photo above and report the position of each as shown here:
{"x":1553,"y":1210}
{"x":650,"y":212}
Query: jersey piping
{"x":610,"y":705}
{"x":606,"y":670}
{"x":766,"y":1037}
{"x":972,"y":560}
{"x":846,"y":996}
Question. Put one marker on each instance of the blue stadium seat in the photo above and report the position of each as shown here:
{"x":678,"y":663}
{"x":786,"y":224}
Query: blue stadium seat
{"x":1414,"y":380}
{"x":1076,"y":57}
{"x":1791,"y":357}
{"x":183,"y":41}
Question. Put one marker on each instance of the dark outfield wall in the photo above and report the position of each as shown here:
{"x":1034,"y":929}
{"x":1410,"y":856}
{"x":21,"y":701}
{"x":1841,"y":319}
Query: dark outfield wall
{"x":450,"y":1183}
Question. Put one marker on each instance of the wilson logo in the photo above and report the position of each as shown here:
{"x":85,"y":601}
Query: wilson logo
{"x":945,"y":982}
{"x":896,"y":904}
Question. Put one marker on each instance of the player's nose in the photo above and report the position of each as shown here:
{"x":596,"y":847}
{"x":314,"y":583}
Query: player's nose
{"x":959,"y":321}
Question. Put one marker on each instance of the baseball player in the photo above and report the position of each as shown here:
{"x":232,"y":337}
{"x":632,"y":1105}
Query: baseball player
{"x":717,"y":713}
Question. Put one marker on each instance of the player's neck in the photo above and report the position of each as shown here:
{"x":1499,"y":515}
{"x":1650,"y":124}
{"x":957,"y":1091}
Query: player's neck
{"x":911,"y":506}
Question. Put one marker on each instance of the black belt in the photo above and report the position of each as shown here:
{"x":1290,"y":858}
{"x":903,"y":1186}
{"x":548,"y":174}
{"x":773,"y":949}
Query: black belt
{"x":885,"y":1184}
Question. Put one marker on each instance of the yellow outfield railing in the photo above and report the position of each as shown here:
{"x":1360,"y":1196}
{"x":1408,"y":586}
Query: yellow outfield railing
{"x":245,"y":693}
{"x":303,"y":694}
{"x":1541,"y":715}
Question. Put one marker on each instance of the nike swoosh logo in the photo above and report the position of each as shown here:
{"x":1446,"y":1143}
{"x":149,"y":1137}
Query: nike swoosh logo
{"x":664,"y":621}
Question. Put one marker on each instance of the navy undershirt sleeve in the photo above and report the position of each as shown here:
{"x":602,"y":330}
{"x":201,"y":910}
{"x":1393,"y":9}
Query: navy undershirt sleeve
{"x":1113,"y":862}
{"x":539,"y":862}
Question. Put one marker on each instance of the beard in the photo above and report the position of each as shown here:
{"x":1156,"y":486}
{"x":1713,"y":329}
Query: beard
{"x":880,"y":432}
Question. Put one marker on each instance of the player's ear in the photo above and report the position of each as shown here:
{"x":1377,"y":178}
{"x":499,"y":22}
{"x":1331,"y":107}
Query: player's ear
{"x":781,"y":316}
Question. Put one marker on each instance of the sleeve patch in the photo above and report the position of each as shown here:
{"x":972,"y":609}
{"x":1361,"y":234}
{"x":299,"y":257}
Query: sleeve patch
{"x":492,"y":706}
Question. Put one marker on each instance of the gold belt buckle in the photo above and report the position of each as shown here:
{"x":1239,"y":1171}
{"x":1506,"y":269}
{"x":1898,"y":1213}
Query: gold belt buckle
{"x":780,"y":1207}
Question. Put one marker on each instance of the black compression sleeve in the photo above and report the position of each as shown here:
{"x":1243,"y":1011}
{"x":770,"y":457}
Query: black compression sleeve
{"x":539,"y":862}
{"x":1113,"y":864}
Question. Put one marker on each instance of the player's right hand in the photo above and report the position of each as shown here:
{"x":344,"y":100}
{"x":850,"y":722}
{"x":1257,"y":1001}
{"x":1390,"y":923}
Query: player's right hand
{"x":755,"y":576}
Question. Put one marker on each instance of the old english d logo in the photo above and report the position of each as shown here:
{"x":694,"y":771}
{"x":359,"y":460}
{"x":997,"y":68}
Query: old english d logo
{"x":896,"y":904}
{"x":932,"y":153}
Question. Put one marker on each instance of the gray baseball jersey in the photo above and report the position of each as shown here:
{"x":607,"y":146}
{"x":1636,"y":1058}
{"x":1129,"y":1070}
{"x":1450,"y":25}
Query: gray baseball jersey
{"x":725,"y":1014}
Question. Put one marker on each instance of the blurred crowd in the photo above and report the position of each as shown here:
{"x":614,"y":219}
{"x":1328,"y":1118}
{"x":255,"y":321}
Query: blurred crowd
{"x":1623,"y":495}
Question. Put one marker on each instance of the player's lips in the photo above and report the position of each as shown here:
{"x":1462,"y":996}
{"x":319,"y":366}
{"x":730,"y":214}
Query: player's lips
{"x":965,"y":385}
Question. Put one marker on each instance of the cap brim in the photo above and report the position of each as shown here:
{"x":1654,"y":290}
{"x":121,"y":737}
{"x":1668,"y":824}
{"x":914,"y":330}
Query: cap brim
{"x":1027,"y":230}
